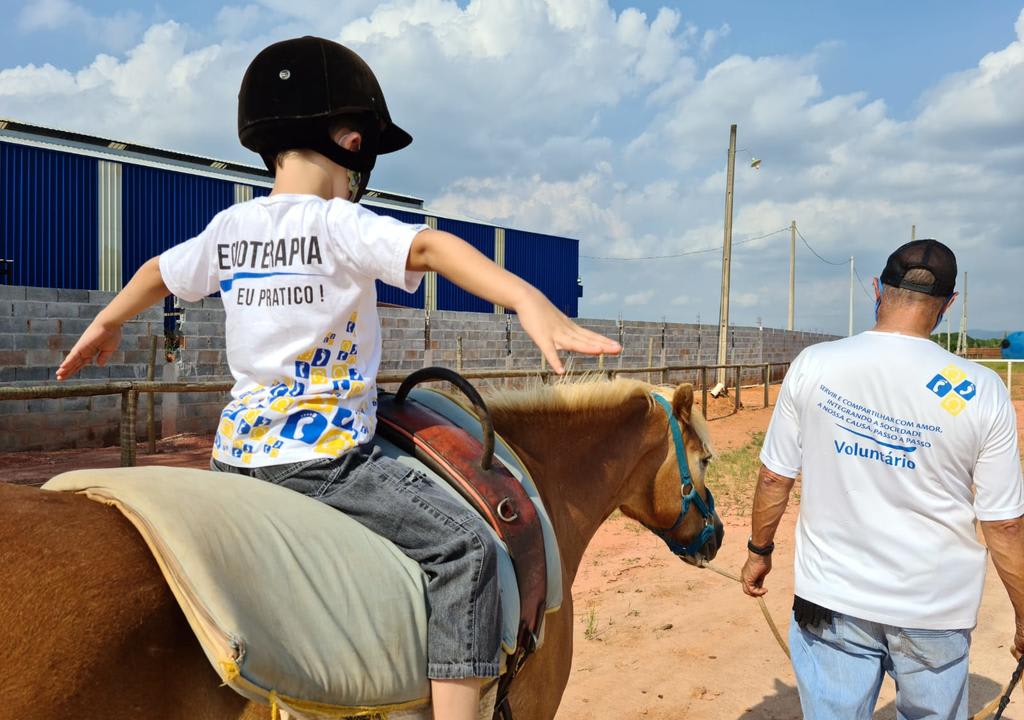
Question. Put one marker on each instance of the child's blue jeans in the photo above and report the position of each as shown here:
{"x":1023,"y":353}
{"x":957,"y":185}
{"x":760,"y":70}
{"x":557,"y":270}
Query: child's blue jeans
{"x":839,"y":667}
{"x":450,"y":542}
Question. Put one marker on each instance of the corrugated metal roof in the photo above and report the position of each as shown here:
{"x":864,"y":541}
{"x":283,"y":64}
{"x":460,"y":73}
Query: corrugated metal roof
{"x":387,"y":294}
{"x":549,"y":263}
{"x":161,"y":208}
{"x":48,"y":217}
{"x":107,"y":148}
{"x":449,"y":295}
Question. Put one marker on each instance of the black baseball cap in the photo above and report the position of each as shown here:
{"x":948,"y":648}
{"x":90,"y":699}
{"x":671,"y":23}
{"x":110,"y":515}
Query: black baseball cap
{"x":930,"y":255}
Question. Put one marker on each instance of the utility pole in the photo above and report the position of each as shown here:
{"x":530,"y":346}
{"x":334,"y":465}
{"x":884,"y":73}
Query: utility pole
{"x":961,"y":341}
{"x":792,"y":274}
{"x":723,"y":311}
{"x":851,"y":297}
{"x":947,"y":332}
{"x":913,"y":233}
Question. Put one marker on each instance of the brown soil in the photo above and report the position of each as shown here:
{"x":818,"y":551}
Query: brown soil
{"x":656,"y":638}
{"x":35,"y":468}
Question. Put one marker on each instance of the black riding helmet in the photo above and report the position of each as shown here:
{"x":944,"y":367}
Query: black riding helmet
{"x":295,"y":89}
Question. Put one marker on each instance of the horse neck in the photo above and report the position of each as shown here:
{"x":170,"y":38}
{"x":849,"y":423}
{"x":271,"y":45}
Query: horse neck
{"x":582,"y":462}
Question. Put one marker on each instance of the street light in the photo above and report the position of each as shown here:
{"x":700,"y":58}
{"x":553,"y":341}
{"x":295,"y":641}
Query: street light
{"x":755,"y":162}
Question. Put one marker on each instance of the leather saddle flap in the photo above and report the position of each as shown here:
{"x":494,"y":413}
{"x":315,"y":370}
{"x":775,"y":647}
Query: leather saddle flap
{"x":447,"y":438}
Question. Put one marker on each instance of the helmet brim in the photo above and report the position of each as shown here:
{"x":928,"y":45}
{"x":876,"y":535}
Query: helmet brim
{"x":393,"y":138}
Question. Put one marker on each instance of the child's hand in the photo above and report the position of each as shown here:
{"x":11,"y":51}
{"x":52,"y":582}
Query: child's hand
{"x":552,"y":331}
{"x":98,"y":342}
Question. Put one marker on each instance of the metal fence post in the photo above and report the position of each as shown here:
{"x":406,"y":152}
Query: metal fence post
{"x":150,"y":409}
{"x":704,"y":389}
{"x":736,"y":402}
{"x":767,"y":380}
{"x":129,"y":400}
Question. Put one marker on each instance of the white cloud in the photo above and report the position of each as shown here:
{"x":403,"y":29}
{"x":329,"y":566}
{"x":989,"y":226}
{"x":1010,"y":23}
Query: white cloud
{"x":711,"y":38}
{"x":159,"y":93}
{"x":604,"y":298}
{"x":640,"y":298}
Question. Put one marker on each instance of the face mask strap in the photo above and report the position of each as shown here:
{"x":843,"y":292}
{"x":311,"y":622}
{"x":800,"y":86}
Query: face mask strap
{"x":355,"y":185}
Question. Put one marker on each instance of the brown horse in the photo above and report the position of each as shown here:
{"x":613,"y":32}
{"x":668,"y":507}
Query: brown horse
{"x":88,"y":629}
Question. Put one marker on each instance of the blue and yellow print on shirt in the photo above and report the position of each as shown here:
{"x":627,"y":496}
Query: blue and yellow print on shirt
{"x":322,"y":410}
{"x":955,"y":389}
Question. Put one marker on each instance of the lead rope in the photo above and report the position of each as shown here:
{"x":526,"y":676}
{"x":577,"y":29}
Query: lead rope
{"x":760,"y":601}
{"x":1000,"y":701}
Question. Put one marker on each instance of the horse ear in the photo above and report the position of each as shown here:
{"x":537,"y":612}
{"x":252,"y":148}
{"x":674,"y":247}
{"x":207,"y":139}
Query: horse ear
{"x":682,"y":401}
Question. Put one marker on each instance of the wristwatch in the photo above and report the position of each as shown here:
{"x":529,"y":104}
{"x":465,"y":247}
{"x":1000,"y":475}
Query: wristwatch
{"x":764,"y":551}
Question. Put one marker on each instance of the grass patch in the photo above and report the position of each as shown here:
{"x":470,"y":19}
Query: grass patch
{"x":732,"y":475}
{"x":590,"y":631}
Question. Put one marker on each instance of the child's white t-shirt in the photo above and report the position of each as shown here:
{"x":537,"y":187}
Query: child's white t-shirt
{"x":296,"y":274}
{"x":901,"y":445}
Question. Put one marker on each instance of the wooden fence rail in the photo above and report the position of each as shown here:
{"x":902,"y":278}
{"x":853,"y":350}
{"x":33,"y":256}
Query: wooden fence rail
{"x":129,"y":390}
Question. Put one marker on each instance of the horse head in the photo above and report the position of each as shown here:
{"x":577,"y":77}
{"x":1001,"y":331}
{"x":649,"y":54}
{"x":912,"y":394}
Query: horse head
{"x":675,"y":504}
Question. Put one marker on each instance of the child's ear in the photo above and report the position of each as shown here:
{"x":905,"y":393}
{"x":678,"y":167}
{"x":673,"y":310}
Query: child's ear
{"x":351,"y":141}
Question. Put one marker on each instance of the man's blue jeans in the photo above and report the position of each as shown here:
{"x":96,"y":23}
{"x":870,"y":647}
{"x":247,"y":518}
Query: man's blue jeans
{"x":839,"y":667}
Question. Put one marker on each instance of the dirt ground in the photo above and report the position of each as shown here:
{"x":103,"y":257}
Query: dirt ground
{"x":656,"y":638}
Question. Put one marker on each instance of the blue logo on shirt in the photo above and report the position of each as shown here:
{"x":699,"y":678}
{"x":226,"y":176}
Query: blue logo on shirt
{"x":952,"y":378}
{"x":966,"y":389}
{"x":940,"y":385}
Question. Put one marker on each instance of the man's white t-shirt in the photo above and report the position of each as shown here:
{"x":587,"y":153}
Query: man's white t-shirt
{"x":901,"y":446}
{"x":296,"y":274}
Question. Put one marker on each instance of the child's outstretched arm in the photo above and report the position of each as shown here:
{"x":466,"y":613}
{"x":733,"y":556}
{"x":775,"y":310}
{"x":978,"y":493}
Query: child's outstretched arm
{"x":103,"y":335}
{"x":549,"y":328}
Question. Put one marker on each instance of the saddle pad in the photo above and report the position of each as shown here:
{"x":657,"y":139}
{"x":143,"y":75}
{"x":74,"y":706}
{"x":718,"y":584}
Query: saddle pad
{"x":291,"y":600}
{"x":448,"y":408}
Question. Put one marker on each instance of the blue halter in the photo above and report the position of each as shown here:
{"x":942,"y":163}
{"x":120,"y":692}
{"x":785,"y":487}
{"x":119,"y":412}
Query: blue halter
{"x":707,"y":510}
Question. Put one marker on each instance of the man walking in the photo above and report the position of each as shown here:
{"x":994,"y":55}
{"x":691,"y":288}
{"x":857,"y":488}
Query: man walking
{"x":901,"y":446}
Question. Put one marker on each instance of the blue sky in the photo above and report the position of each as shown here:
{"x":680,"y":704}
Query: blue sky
{"x":607,"y":120}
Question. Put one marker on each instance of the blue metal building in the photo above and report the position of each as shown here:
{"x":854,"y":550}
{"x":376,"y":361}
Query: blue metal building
{"x":79,"y":211}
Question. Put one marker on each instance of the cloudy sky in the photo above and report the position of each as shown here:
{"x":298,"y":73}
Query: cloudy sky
{"x":608,"y":121}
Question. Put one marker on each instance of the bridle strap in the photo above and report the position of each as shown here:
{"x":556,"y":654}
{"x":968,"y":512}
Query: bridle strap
{"x":707,"y":510}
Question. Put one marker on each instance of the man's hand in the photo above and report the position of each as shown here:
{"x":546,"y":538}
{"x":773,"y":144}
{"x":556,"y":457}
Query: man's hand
{"x":97,"y":343}
{"x":755,"y":570}
{"x":1017,"y":649}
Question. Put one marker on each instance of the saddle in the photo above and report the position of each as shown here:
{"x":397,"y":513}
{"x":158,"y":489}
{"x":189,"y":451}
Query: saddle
{"x":466,"y":461}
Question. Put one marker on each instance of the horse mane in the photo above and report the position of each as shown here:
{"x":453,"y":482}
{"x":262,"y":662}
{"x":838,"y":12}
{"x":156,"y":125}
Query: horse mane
{"x":585,"y":395}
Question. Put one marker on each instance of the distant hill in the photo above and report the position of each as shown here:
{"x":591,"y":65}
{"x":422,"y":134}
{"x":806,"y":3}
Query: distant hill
{"x":989,"y":334}
{"x":977,"y":338}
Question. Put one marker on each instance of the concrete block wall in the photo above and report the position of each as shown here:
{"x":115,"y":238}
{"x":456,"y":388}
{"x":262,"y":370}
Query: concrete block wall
{"x":201,"y":358}
{"x":37,"y":328}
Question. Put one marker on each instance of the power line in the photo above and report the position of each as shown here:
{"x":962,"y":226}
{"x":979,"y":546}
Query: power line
{"x":827,"y":262}
{"x":862,"y":285}
{"x":687,"y":252}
